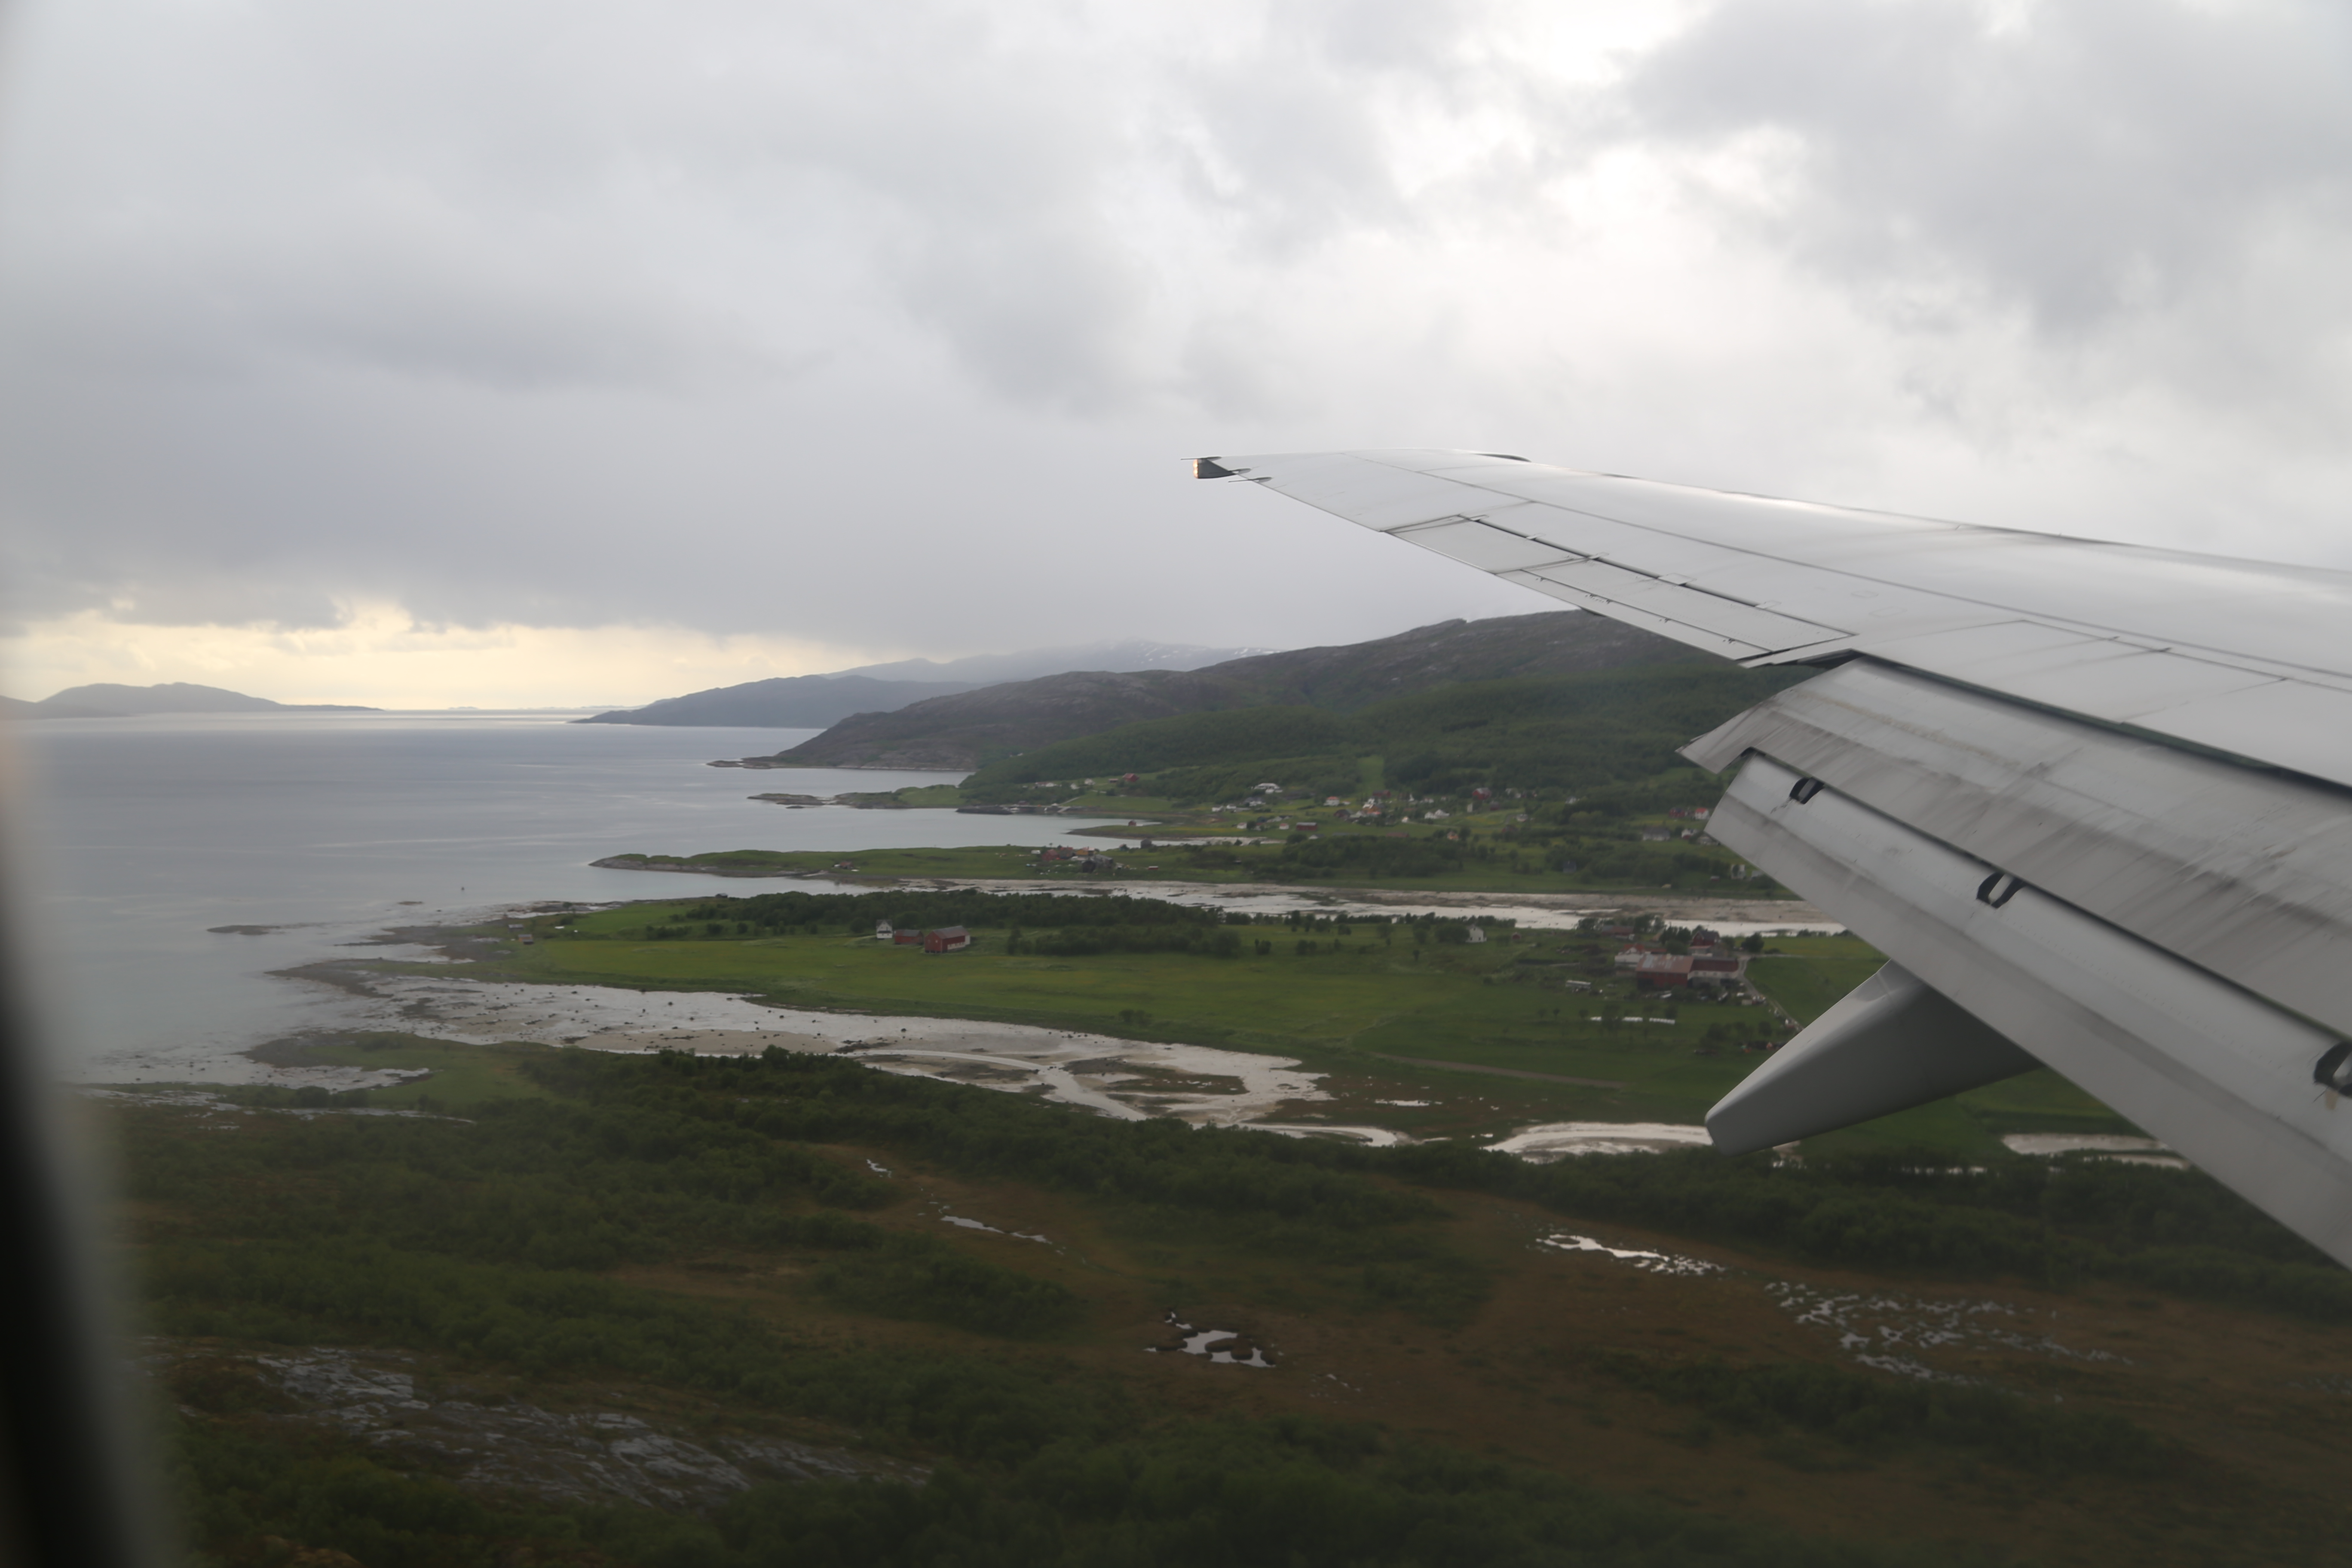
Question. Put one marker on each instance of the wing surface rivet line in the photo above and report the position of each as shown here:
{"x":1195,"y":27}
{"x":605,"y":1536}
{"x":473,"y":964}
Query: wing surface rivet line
{"x":1804,"y":790}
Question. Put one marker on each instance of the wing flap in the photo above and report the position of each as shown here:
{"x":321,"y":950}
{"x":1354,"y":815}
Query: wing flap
{"x":1477,"y":541}
{"x":2246,"y":874}
{"x":1600,"y":584}
{"x":2233,"y":1084}
{"x":2287,"y":723}
{"x":2099,"y":677}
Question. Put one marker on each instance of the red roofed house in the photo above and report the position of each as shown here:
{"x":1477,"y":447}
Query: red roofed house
{"x":947,"y":939}
{"x":1662,"y":969}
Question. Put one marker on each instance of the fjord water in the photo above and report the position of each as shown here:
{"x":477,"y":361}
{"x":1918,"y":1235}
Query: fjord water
{"x":333,"y":827}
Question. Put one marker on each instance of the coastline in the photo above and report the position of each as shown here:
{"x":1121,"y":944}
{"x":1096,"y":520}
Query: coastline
{"x":1676,"y":909}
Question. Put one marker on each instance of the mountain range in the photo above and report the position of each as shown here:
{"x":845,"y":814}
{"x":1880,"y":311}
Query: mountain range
{"x":817,"y":701}
{"x":105,"y":699}
{"x":960,"y":731}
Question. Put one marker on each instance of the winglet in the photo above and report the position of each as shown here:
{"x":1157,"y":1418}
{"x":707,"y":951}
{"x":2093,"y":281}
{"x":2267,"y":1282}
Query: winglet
{"x":1210,"y":468}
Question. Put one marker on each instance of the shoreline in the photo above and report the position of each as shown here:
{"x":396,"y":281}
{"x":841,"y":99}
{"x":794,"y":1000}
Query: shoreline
{"x":1677,"y":908}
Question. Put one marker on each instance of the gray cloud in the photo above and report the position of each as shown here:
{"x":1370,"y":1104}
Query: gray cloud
{"x":891,"y":325}
{"x":2086,"y":158}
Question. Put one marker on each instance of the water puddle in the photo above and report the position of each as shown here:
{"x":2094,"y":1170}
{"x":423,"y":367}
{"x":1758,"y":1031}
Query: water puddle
{"x":2107,"y":1145}
{"x":1377,"y":1137}
{"x":1891,"y":1332}
{"x":1549,"y":1141}
{"x":1670,"y":1263}
{"x":959,"y":1220}
{"x":1223,"y":1346}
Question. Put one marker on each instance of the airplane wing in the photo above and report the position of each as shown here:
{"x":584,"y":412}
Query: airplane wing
{"x":2093,"y":800}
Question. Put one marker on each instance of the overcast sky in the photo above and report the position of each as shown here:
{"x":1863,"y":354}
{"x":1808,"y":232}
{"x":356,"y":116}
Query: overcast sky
{"x":569,"y":351}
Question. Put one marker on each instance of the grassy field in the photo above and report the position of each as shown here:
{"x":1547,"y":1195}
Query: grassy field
{"x":1806,"y":974}
{"x":710,"y":1249}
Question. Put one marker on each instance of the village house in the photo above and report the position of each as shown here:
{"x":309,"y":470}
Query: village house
{"x":1662,"y":968}
{"x":947,"y":939}
{"x":1667,"y":969}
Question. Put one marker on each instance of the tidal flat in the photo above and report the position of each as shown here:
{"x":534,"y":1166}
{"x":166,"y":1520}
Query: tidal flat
{"x":1348,"y":1022}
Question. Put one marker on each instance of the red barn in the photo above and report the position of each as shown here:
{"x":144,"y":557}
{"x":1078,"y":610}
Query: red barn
{"x":947,"y":939}
{"x":1662,"y":968}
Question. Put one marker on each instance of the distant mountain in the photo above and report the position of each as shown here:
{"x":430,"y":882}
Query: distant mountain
{"x":1586,"y":729}
{"x":817,"y":701}
{"x":787,"y":702}
{"x":989,"y":669}
{"x":960,"y":732}
{"x":105,"y":699}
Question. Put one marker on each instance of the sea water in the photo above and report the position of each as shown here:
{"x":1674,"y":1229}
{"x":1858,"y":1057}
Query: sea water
{"x":144,"y":834}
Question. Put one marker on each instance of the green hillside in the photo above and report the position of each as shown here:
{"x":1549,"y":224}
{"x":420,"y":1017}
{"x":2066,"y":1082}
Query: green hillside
{"x":1539,"y":733}
{"x":970,"y":728}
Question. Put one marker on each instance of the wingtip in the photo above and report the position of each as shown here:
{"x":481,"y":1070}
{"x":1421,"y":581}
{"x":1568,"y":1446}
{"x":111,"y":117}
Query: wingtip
{"x":1210,"y":468}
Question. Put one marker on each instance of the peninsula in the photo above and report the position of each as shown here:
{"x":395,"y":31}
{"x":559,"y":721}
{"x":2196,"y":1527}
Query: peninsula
{"x":105,"y":699}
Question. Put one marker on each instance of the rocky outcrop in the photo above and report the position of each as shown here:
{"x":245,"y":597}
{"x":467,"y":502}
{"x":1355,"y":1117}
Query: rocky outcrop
{"x":500,"y":1444}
